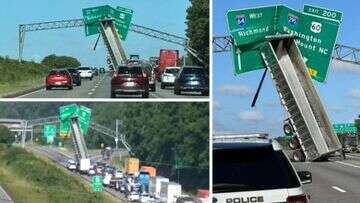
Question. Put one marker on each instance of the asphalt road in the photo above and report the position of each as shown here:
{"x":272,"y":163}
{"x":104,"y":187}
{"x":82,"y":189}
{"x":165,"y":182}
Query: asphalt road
{"x":99,"y":87}
{"x":61,"y":158}
{"x":335,"y":181}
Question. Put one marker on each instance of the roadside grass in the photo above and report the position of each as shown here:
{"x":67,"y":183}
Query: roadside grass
{"x":19,"y":76}
{"x":31,"y":178}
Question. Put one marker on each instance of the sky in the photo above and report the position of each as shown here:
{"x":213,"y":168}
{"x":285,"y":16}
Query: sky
{"x":233,"y":94}
{"x":163,"y":15}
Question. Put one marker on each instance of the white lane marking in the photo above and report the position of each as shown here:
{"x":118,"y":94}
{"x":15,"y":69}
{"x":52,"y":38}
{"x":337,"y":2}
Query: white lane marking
{"x":338,"y":189}
{"x":154,"y":95}
{"x":24,"y":95}
{"x":347,"y":164}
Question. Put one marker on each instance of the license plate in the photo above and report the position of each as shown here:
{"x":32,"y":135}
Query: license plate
{"x":129,"y":84}
{"x":58,"y":83}
{"x":194,"y":82}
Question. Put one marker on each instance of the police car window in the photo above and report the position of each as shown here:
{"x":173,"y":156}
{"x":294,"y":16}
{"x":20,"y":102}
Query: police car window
{"x":251,"y":169}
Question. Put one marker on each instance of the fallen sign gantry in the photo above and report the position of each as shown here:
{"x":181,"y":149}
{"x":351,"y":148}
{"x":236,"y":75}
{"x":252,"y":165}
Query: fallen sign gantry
{"x":278,"y":47}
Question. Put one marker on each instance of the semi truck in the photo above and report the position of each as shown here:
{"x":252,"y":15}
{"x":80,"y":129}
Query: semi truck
{"x":313,"y":135}
{"x":167,"y":58}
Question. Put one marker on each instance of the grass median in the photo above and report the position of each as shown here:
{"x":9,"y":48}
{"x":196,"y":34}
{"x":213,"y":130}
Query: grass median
{"x":17,"y":76}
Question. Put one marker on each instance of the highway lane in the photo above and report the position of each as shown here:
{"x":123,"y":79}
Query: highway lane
{"x":61,"y":159}
{"x":335,"y":181}
{"x":99,"y":87}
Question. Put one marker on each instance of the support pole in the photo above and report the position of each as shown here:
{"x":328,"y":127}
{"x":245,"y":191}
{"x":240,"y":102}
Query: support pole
{"x":23,"y":135}
{"x":117,"y":134}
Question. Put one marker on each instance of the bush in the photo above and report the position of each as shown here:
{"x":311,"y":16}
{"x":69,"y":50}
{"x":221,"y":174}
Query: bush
{"x":54,"y":61}
{"x":6,"y":136}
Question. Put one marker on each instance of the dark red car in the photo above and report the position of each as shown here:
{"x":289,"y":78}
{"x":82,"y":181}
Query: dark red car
{"x":59,"y":78}
{"x":130,"y":79}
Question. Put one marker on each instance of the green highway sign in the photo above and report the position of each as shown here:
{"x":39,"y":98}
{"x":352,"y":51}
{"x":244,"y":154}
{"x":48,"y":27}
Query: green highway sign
{"x":179,"y":163}
{"x":64,"y":131}
{"x":97,"y":183}
{"x":315,"y":36}
{"x":120,"y":16}
{"x":84,"y":115}
{"x":345,"y":128}
{"x":65,"y":112}
{"x":49,"y":130}
{"x":323,"y":12}
{"x":251,"y":25}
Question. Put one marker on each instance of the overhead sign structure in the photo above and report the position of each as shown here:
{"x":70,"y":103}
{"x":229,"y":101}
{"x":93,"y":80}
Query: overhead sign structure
{"x":343,"y":128}
{"x":66,"y":112}
{"x":120,"y":16}
{"x":97,"y":183}
{"x":315,"y":36}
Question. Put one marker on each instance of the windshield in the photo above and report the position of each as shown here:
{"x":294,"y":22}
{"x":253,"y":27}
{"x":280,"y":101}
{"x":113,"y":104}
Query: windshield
{"x":172,"y":71}
{"x":84,"y":68}
{"x":72,"y":70}
{"x":257,"y":168}
{"x":129,"y":70}
{"x":196,"y":71}
{"x":60,"y":72}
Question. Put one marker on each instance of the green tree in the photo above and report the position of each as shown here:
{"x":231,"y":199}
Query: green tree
{"x":6,"y":136}
{"x":198,"y":29}
{"x":54,"y":61}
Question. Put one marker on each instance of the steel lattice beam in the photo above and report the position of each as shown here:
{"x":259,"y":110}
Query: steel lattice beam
{"x":175,"y":39}
{"x":341,"y":52}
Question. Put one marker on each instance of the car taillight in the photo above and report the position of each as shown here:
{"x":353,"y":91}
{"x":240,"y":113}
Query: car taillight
{"x":297,"y":199}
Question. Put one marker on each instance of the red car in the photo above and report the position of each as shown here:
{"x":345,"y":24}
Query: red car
{"x":59,"y":78}
{"x":130,"y":79}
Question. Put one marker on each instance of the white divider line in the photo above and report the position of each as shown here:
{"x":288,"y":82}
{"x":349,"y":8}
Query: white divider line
{"x":347,"y":164}
{"x":338,"y":189}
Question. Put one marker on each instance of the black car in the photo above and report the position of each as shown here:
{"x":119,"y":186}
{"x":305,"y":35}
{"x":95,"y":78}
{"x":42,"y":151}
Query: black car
{"x":192,"y":79}
{"x":101,"y":70}
{"x":75,"y":75}
{"x":95,"y":71}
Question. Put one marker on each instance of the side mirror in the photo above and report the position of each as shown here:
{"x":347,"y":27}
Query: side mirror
{"x":305,"y":177}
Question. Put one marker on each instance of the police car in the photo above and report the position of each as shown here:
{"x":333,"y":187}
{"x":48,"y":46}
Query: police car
{"x":252,"y":168}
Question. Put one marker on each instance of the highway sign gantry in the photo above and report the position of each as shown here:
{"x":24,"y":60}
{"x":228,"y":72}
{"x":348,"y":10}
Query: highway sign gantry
{"x":315,"y":36}
{"x":121,"y":17}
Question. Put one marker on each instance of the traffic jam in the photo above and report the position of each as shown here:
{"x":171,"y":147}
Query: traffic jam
{"x":138,"y":183}
{"x":138,"y":77}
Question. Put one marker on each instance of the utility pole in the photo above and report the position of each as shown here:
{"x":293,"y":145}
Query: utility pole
{"x":32,"y":135}
{"x":23,"y":135}
{"x":117,"y":134}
